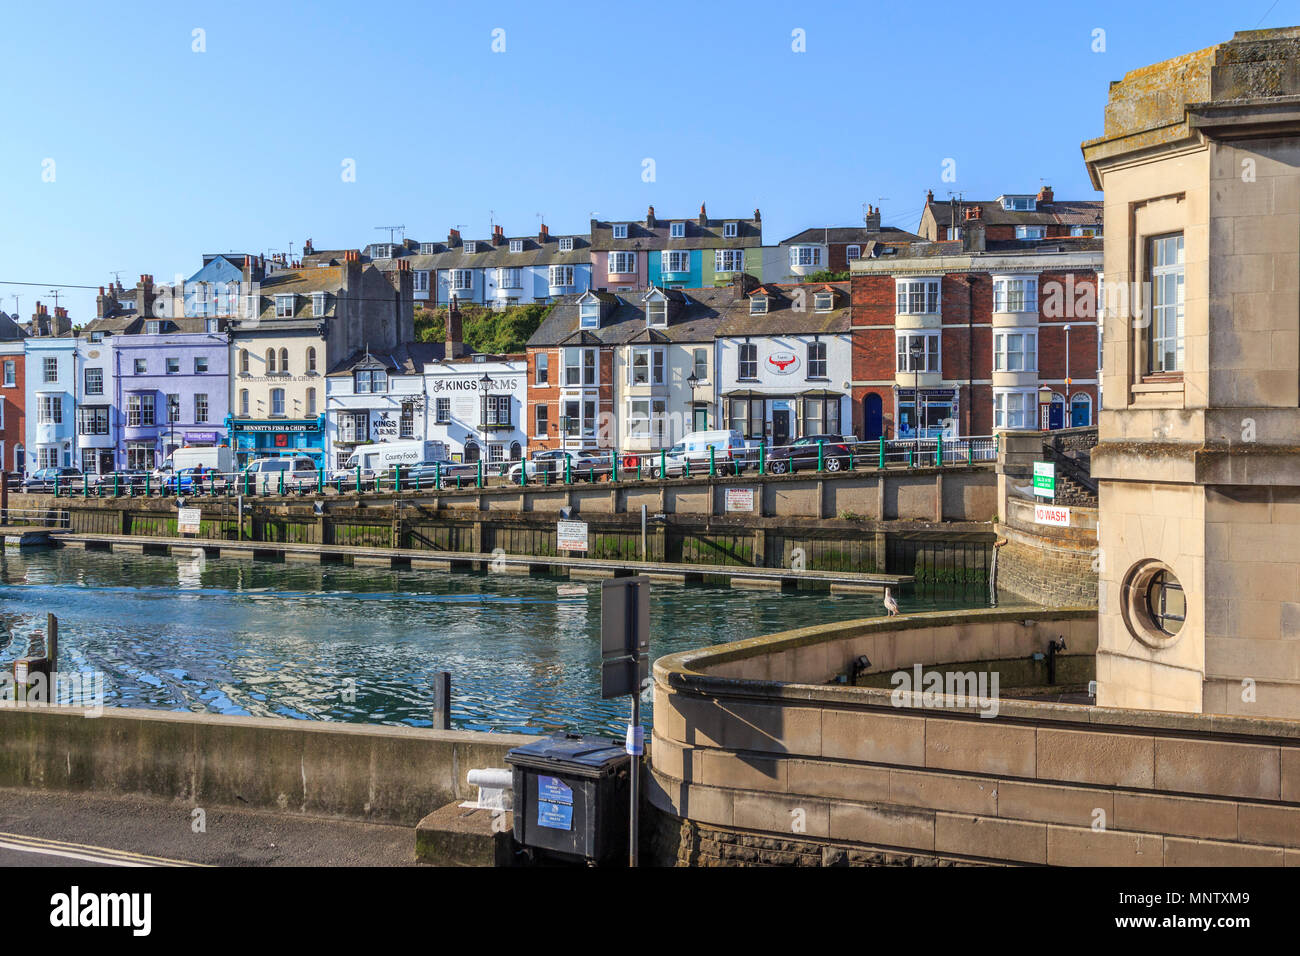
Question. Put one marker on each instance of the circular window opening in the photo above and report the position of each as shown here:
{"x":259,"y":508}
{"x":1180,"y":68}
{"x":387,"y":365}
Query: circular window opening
{"x":1155,"y":606}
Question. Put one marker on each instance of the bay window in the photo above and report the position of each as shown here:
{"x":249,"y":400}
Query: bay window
{"x":671,"y":260}
{"x":1014,"y":409}
{"x":729,"y":260}
{"x":562,"y":276}
{"x":622,"y":263}
{"x":917,"y":296}
{"x":1015,"y":351}
{"x":647,"y":367}
{"x":580,"y":367}
{"x":1015,"y":294}
{"x":805,"y":255}
{"x":918,"y":351}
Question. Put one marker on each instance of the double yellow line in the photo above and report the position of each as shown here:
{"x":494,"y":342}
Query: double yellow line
{"x":85,"y":852}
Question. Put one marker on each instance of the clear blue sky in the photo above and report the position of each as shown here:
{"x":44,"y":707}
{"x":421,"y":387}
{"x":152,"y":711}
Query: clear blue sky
{"x":162,"y":153}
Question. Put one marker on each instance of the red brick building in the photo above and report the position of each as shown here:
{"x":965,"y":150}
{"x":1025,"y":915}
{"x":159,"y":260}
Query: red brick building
{"x":977,"y":325}
{"x":13,"y":387}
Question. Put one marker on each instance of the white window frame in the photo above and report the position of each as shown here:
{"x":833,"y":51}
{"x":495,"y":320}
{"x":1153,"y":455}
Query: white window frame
{"x":1031,"y":232}
{"x":758,"y":305}
{"x":646,"y":361}
{"x":746,"y":361}
{"x":98,"y":388}
{"x":1023,"y":417}
{"x":730,"y":230}
{"x":645,"y":419}
{"x":852,"y":253}
{"x":1167,"y":268}
{"x":816,"y":355}
{"x":903,"y":352}
{"x":471,"y":248}
{"x":278,"y":404}
{"x":516,"y":245}
{"x":729,"y":260}
{"x":823,"y":301}
{"x":1004,"y":354}
{"x":575,"y":359}
{"x":803,"y":256}
{"x":589,"y":315}
{"x":1015,"y":294}
{"x":318,"y":302}
{"x":620,"y":230}
{"x":656,"y":312}
{"x":675,"y":260}
{"x":677,"y":230}
{"x":1020,"y":203}
{"x":565,"y":276}
{"x":622,"y":263}
{"x":427,"y":248}
{"x":50,"y":369}
{"x":918,"y":296}
{"x":284,"y":306}
{"x":460,"y":280}
{"x":508,"y":277}
{"x":541,"y":419}
{"x":542,"y":369}
{"x":566,"y":243}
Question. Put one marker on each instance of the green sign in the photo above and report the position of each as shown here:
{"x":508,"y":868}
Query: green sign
{"x":1044,"y":479}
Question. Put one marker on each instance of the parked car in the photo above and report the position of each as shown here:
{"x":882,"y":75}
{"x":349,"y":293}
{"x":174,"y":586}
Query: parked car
{"x":43,"y":481}
{"x":551,"y":464}
{"x":123,"y":480}
{"x":801,"y":454}
{"x":264,"y":475}
{"x":726,"y":448}
{"x":197,"y":479}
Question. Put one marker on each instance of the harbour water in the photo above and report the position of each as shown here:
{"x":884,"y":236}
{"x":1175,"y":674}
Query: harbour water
{"x":363,"y":644}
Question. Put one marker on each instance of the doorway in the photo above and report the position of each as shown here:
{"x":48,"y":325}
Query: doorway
{"x":873,"y":417}
{"x":780,"y":427}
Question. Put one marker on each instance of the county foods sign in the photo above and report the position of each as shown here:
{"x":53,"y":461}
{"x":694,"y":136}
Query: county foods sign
{"x":783,"y":362}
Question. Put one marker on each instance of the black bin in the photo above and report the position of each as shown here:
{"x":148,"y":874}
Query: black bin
{"x":571,"y":796}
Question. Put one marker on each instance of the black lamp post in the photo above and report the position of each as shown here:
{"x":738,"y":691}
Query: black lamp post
{"x":693,"y":380}
{"x":917,"y":352}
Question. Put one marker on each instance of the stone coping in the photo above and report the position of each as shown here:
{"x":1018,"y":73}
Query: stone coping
{"x":688,"y":672}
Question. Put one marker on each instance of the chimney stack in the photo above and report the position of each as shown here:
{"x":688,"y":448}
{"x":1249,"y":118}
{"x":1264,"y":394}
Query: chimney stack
{"x":455,"y":338}
{"x":101,"y":303}
{"x":498,"y":235}
{"x":307,"y":248}
{"x":758,"y":216}
{"x":543,"y":234}
{"x":453,"y":237}
{"x":145,"y":296}
{"x":929,"y":196}
{"x":742,"y":285}
{"x":704,"y":217}
{"x":872,"y":218}
{"x":650,"y":218}
{"x":1045,"y":195}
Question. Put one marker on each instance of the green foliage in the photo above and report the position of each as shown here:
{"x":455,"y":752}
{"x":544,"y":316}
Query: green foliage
{"x":484,"y":329}
{"x":827,"y":276}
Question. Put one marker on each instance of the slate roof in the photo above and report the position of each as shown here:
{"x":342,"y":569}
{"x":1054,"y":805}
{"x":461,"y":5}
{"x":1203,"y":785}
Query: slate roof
{"x":749,"y":233}
{"x":890,"y":235}
{"x":700,"y":315}
{"x":488,"y":255}
{"x":407,"y":359}
{"x":1058,"y":212}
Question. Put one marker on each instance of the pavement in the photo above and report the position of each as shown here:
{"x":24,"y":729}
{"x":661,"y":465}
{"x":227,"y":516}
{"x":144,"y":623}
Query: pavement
{"x":54,"y":828}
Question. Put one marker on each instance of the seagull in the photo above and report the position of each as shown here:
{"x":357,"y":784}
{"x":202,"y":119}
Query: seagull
{"x":890,"y":604}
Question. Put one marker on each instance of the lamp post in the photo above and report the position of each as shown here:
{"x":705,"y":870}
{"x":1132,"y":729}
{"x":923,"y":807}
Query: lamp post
{"x":485,"y":385}
{"x":173,"y":412}
{"x":917,"y":351}
{"x":692,"y":381}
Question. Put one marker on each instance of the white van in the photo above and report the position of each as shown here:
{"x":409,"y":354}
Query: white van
{"x":264,"y":475}
{"x":729,"y":450}
{"x":211,"y":458}
{"x":379,"y":458}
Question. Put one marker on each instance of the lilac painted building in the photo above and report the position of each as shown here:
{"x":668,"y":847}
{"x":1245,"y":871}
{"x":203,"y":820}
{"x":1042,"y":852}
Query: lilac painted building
{"x":171,"y":390}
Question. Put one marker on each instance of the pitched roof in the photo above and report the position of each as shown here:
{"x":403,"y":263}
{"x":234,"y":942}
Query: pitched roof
{"x":849,"y":234}
{"x":709,"y":235}
{"x":407,"y":359}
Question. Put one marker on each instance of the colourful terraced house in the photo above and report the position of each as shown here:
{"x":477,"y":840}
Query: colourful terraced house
{"x":674,"y":253}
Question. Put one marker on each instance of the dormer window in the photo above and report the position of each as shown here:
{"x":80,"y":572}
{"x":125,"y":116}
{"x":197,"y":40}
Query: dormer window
{"x":284,"y":306}
{"x":620,"y":231}
{"x":318,"y":303}
{"x":823,"y":302}
{"x":677,"y":230}
{"x":1019,"y":203}
{"x":656,"y":312}
{"x":730,"y":230}
{"x":152,"y":328}
{"x":852,"y":252}
{"x":566,"y":244}
{"x":589,"y":314}
{"x":427,"y":248}
{"x":382,"y":252}
{"x":758,"y":305}
{"x":471,"y":248}
{"x":516,"y":245}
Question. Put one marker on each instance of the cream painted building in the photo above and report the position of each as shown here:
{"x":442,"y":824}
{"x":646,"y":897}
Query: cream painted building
{"x":1198,"y":461}
{"x":294,"y":326}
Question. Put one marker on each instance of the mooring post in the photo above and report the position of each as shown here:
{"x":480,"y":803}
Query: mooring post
{"x":442,"y":701}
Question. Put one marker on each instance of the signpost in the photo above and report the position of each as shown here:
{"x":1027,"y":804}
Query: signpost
{"x":1044,"y":479}
{"x":1052,"y":515}
{"x":571,"y":535}
{"x":624,"y":664}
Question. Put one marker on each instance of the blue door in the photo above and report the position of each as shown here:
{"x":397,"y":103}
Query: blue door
{"x":1056,"y":414}
{"x":873,"y":417}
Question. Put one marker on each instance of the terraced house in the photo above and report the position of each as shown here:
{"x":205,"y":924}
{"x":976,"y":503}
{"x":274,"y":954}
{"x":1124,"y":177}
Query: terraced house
{"x":13,"y":399}
{"x":498,"y":272}
{"x":50,"y":378}
{"x":995,"y":328}
{"x":297,"y":323}
{"x":674,"y":253}
{"x":830,"y":248}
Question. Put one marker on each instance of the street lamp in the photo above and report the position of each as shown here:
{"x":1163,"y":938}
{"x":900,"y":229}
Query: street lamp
{"x":173,"y":413}
{"x":692,"y":381}
{"x":917,"y":352}
{"x":1044,"y":406}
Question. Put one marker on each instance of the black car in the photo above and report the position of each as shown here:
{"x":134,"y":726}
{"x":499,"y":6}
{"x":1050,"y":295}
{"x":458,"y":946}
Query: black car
{"x":802,"y":453}
{"x":44,"y":480}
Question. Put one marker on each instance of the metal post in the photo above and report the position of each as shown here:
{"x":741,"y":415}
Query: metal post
{"x":939,"y":454}
{"x":358,"y":479}
{"x":117,"y":491}
{"x":479,"y":481}
{"x":663,"y":464}
{"x":882,"y":451}
{"x":442,"y":701}
{"x":613,"y":464}
{"x":762,"y":458}
{"x":85,"y":486}
{"x":147,"y":478}
{"x":821,"y":455}
{"x":397,"y":478}
{"x":643,"y":544}
{"x":634,"y":772}
{"x":568,"y":472}
{"x":281,"y":485}
{"x":320,"y":479}
{"x":712,"y":463}
{"x":52,"y":649}
{"x":437,"y":476}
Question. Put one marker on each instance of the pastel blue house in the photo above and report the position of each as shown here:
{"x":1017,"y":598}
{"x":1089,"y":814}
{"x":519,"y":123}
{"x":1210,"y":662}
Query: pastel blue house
{"x":51,"y":364}
{"x":677,"y":268}
{"x":214,"y":289}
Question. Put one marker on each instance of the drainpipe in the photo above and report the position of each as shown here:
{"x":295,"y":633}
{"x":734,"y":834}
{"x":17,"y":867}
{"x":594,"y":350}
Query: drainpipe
{"x":970,"y":356}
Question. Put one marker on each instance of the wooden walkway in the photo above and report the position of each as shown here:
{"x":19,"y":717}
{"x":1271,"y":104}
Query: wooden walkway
{"x":28,"y":536}
{"x":558,"y":565}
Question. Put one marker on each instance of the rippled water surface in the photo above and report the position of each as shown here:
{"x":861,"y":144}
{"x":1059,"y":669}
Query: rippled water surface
{"x":362,"y":644}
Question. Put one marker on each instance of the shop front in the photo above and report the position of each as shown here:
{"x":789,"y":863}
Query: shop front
{"x":937,"y":410}
{"x":253,"y":439}
{"x":780,"y":418}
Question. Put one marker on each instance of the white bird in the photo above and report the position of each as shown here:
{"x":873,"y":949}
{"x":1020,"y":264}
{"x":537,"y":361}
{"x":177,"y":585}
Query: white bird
{"x":890,"y":604}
